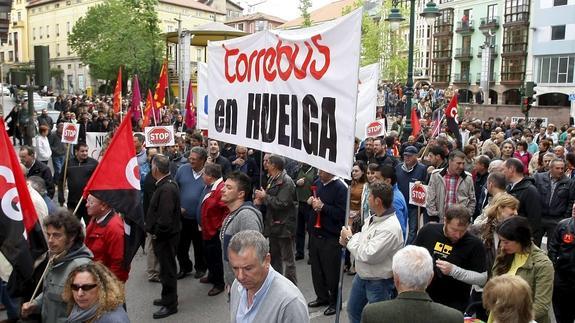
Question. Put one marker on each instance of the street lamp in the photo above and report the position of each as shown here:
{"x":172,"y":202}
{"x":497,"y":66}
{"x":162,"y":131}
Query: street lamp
{"x":395,"y":18}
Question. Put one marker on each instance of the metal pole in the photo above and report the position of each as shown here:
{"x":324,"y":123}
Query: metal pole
{"x":409,"y":85}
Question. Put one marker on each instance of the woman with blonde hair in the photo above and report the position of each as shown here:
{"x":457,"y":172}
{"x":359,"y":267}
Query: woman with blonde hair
{"x":94,"y":295}
{"x":508,"y":298}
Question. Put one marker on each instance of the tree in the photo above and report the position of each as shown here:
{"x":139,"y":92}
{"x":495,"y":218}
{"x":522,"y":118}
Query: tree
{"x":304,"y":6}
{"x":379,"y":43}
{"x":120,"y":33}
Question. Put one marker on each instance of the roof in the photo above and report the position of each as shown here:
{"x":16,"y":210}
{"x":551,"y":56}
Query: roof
{"x":233,"y":3}
{"x":212,"y":31}
{"x":256,"y":16}
{"x":182,"y":3}
{"x":326,"y":13}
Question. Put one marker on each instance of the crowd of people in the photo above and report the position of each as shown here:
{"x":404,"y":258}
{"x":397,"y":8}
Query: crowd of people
{"x":493,"y":196}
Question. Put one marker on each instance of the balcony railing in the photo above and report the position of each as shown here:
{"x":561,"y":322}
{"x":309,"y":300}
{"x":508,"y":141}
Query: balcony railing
{"x":512,"y":76}
{"x":493,"y":52}
{"x":489,"y":23}
{"x":492,"y":78}
{"x":464,"y":27}
{"x":441,"y":78}
{"x":463,"y":53}
{"x":461,"y":78}
{"x":442,"y":54}
{"x":515,"y":47}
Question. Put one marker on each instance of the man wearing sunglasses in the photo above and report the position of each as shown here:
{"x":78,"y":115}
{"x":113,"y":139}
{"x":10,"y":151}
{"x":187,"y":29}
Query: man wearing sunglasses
{"x":67,"y":251}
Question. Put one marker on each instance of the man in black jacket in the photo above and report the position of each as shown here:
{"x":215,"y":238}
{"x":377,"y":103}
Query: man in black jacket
{"x":35,"y":168}
{"x":80,"y":169}
{"x":561,"y":249}
{"x":523,"y":188}
{"x":324,"y":247}
{"x":553,"y":186}
{"x":58,"y":150}
{"x":163,"y":222}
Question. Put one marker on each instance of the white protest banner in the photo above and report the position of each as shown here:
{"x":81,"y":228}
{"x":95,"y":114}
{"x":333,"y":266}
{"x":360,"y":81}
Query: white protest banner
{"x":417,"y":194}
{"x":159,"y":136}
{"x":292,"y":92}
{"x":202,"y":96}
{"x":531,"y":119}
{"x":70,"y":133}
{"x":95,"y":142}
{"x":366,"y":98}
{"x":376,"y":128}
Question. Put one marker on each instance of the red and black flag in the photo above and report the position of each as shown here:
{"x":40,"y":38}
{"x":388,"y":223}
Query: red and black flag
{"x":22,"y":241}
{"x":116,"y":181}
{"x":451,"y":118}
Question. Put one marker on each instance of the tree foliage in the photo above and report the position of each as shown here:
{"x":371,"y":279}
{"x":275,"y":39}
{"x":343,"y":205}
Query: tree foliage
{"x":120,"y":33}
{"x":380,"y":44}
{"x":304,"y":6}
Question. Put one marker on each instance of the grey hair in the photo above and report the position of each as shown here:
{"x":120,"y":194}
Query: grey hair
{"x":413,"y":266}
{"x":250,"y":239}
{"x":37,"y":184}
{"x":495,"y":164}
{"x":201,"y":151}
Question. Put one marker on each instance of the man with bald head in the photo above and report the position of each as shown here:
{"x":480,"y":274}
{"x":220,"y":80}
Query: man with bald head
{"x":246,"y":164}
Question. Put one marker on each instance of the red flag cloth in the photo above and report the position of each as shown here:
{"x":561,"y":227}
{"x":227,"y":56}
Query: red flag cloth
{"x":452,"y":122}
{"x":136,"y":100}
{"x":190,"y":109}
{"x":118,"y":92}
{"x":415,"y":122}
{"x":451,"y":109}
{"x":150,"y":112}
{"x":116,"y":181}
{"x":160,"y":95}
{"x":18,"y":219}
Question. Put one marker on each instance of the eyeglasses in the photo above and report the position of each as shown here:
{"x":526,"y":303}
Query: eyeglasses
{"x":85,"y":288}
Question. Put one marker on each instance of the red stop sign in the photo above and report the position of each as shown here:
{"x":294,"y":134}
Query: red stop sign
{"x":418,"y":194}
{"x":69,"y":133}
{"x":159,"y":136}
{"x":374,"y":129}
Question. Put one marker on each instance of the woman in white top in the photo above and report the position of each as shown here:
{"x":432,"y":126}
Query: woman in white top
{"x":42,"y":145}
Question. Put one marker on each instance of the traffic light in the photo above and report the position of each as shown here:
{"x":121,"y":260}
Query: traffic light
{"x":525,"y":104}
{"x":530,"y":91}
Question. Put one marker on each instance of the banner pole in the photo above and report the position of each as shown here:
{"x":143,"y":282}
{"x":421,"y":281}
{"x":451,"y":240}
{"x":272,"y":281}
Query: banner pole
{"x":347,"y":205}
{"x":78,"y":205}
{"x":66,"y":168}
{"x":48,"y":265}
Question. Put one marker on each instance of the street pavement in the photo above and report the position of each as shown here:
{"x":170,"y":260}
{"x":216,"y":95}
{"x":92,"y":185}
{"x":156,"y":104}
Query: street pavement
{"x":196,"y":306}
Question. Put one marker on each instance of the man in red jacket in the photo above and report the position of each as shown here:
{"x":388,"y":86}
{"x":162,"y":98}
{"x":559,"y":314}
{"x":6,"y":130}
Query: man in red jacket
{"x":213,"y":213}
{"x":105,"y":236}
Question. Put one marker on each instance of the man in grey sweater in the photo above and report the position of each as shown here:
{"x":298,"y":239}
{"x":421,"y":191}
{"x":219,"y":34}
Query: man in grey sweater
{"x":259,"y":293}
{"x":243,"y":215}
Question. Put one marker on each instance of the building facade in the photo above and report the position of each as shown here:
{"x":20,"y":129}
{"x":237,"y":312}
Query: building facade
{"x":255,"y":22}
{"x":49,"y":22}
{"x":553,"y":50}
{"x":462,"y":32}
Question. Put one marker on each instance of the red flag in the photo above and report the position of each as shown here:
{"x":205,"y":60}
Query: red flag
{"x":150,"y":112}
{"x":118,"y":92}
{"x":451,"y":109}
{"x":161,"y":87}
{"x":415,"y":122}
{"x":116,"y":181}
{"x":190,"y":109}
{"x":136,"y":100}
{"x":18,"y":219}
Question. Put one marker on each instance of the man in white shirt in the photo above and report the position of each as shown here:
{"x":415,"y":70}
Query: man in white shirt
{"x":373,"y":249}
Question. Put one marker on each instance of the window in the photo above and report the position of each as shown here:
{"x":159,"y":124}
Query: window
{"x":491,"y":11}
{"x":515,"y":39}
{"x":2,"y":57}
{"x":557,"y":3}
{"x":261,"y":25}
{"x":10,"y":56}
{"x":40,"y":32}
{"x":33,"y":33}
{"x":556,"y":69}
{"x":513,"y":68}
{"x":240,"y":26}
{"x":199,"y":55}
{"x":57,"y":30}
{"x":47,"y":31}
{"x":69,"y":66}
{"x":57,"y":49}
{"x":516,"y":10}
{"x":68,"y":28}
{"x":19,"y":16}
{"x":557,"y":32}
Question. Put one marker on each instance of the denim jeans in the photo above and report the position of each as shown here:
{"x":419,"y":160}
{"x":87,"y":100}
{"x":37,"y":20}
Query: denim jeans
{"x":365,"y":291}
{"x":8,"y":302}
{"x":58,"y":162}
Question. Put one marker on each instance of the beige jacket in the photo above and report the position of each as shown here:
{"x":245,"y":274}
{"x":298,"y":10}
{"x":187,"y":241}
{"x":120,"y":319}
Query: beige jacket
{"x":435,"y":202}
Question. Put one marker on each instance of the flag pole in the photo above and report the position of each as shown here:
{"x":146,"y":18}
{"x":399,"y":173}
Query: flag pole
{"x":347,"y":208}
{"x":48,"y":265}
{"x":78,"y":205}
{"x":66,"y":169}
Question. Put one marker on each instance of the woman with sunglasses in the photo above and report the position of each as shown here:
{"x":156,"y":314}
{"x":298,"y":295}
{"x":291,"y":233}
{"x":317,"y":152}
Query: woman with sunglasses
{"x":94,"y":295}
